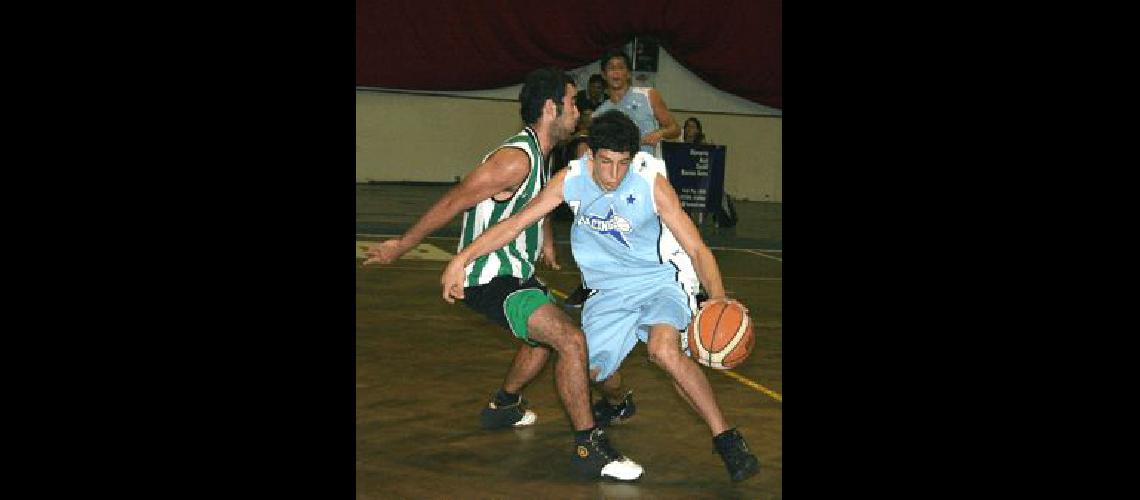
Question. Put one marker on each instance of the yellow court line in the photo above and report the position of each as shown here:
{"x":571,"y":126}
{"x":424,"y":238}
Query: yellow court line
{"x":739,"y":378}
{"x":744,"y":380}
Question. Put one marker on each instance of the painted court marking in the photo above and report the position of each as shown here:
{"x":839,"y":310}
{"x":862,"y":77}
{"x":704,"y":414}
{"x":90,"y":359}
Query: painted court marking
{"x":754,"y":252}
{"x":744,"y":380}
{"x":423,"y":251}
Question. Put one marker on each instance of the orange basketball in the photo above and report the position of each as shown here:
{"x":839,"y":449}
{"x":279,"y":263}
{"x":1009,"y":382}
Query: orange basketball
{"x":721,"y":335}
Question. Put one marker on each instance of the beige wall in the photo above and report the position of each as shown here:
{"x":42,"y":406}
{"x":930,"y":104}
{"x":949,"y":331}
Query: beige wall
{"x":408,"y":137}
{"x":402,"y":137}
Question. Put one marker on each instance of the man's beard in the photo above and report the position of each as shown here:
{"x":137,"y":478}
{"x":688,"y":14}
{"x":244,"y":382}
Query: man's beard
{"x":559,"y":132}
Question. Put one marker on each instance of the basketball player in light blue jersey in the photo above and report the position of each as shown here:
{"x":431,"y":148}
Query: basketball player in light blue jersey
{"x":621,"y":203}
{"x":647,"y":109}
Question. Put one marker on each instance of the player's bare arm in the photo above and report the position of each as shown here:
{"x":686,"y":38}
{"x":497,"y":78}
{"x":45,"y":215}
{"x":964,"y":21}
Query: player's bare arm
{"x":497,"y":177}
{"x":669,"y":128}
{"x":549,"y":253}
{"x":500,"y":234}
{"x":674,"y":218}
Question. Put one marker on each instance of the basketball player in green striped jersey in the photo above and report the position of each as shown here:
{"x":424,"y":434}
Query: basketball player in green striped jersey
{"x":502,"y":286}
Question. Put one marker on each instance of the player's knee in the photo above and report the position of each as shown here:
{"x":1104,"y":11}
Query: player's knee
{"x":534,"y":354}
{"x":572,"y":346}
{"x":664,"y":354}
{"x":573,"y":341}
{"x":563,"y":336}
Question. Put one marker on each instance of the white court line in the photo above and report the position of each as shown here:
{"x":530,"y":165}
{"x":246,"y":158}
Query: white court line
{"x":763,"y":255}
{"x":770,"y":250}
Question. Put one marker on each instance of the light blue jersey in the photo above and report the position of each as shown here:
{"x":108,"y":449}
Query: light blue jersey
{"x":616,"y":235}
{"x":635,"y":104}
{"x":621,"y":246}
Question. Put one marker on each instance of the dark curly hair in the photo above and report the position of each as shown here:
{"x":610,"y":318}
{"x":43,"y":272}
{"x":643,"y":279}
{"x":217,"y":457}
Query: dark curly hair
{"x":540,"y":85}
{"x":614,"y":131}
{"x":612,"y":53}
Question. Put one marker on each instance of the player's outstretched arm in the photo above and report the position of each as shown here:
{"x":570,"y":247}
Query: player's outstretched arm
{"x":498,"y":235}
{"x":503,"y":171}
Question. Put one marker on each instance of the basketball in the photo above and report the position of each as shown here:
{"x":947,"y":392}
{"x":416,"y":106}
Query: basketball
{"x":721,"y":335}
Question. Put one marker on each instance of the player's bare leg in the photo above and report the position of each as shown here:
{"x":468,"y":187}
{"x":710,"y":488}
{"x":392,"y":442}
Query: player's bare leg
{"x":693,"y":386}
{"x":507,"y":409}
{"x":611,"y":388}
{"x":594,"y":456}
{"x":528,"y":363}
{"x":665,"y":351}
{"x":684,"y":396}
{"x":550,"y":325}
{"x":616,"y":405}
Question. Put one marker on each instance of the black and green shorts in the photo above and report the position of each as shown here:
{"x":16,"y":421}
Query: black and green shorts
{"x":508,"y":301}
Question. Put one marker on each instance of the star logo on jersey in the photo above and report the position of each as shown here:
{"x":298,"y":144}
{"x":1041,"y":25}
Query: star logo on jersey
{"x":611,"y":225}
{"x":630,"y":200}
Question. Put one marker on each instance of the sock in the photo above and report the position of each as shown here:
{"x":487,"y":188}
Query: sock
{"x":621,"y":400}
{"x":724,"y":437}
{"x":583,"y":436}
{"x":504,"y":398}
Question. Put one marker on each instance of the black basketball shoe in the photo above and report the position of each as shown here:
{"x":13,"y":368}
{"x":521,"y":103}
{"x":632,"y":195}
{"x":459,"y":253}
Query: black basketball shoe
{"x":596,"y":458}
{"x":606,"y":414}
{"x":741,"y":464}
{"x":496,"y":416}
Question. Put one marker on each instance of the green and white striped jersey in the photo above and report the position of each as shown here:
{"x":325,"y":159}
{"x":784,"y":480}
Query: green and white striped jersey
{"x":517,"y":258}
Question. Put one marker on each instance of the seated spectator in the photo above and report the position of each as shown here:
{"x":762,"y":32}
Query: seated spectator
{"x":592,"y":96}
{"x":725,"y":213}
{"x":693,"y":132}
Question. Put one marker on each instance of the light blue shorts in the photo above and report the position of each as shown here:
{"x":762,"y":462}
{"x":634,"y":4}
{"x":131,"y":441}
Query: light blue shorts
{"x":615,"y":320}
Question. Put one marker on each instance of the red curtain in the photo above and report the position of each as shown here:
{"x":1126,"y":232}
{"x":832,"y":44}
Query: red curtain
{"x":480,"y":44}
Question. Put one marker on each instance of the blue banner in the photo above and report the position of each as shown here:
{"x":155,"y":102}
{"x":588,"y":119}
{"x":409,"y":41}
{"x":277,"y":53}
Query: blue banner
{"x":696,"y":172}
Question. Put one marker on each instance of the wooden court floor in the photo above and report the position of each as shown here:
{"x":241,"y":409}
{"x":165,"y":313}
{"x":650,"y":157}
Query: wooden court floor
{"x":425,"y":368}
